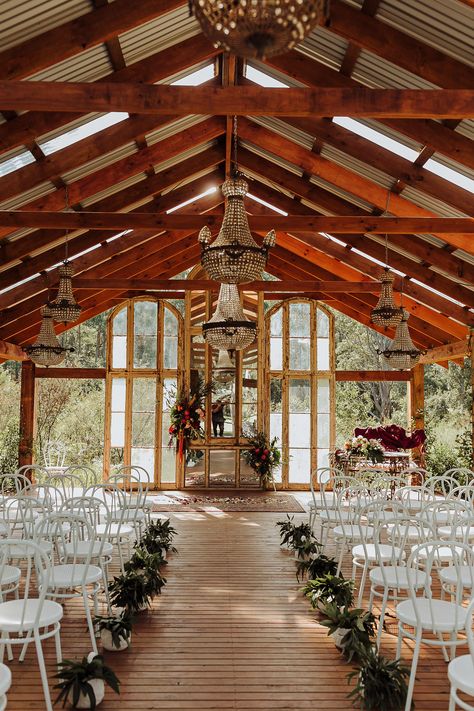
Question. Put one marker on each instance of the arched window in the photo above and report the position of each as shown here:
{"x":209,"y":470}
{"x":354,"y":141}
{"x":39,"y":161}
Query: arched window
{"x":144,"y":369}
{"x":299,"y":363}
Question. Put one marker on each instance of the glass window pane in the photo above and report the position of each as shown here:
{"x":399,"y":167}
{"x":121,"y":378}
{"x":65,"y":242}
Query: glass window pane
{"x":299,"y":466}
{"x":168,"y":465}
{"x":322,"y":324}
{"x":144,"y":355}
{"x":170,"y":355}
{"x":248,"y":477}
{"x":119,"y":352}
{"x":222,"y":468}
{"x":169,"y":395}
{"x":323,"y":395}
{"x":145,"y":316}
{"x":119,"y":327}
{"x":144,"y":395}
{"x":195,"y":468}
{"x":323,"y":354}
{"x":323,"y":458}
{"x":171,"y":323}
{"x":323,"y":430}
{"x":300,"y":353}
{"x":143,"y":429}
{"x":117,"y":429}
{"x":276,"y":323}
{"x":299,"y":430}
{"x":118,"y":394}
{"x":300,"y":319}
{"x":276,"y":353}
{"x":198,"y":361}
{"x":299,"y":395}
{"x":144,"y":457}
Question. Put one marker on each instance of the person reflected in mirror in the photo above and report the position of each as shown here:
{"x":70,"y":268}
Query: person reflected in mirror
{"x":218,"y":419}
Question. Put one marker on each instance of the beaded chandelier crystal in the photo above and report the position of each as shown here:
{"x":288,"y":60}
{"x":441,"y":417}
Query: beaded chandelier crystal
{"x":402,"y":354}
{"x":64,"y":308}
{"x":47,"y":350}
{"x":224,"y":369}
{"x":234,"y":257}
{"x":386,"y":313}
{"x":229,"y":329}
{"x":258,"y":28}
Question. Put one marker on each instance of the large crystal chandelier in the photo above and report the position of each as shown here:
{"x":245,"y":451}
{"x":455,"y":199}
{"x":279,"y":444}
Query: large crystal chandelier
{"x":386,"y":312}
{"x":229,"y":329}
{"x":234,"y":257}
{"x":64,"y":308}
{"x":47,"y":350}
{"x":258,"y":28}
{"x":224,"y":369}
{"x":402,"y":354}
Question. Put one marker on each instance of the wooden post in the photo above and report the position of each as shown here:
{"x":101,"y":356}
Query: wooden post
{"x":471,"y":351}
{"x":416,"y":407}
{"x":27,"y":413}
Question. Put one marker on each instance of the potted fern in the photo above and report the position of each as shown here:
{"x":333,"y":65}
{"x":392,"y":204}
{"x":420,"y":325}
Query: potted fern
{"x":316,"y":567}
{"x":381,"y":683}
{"x":329,"y":589}
{"x":115,"y":631}
{"x":148,"y":565}
{"x":130,"y":592}
{"x":352,"y":630}
{"x":157,"y":538}
{"x":82,"y":684}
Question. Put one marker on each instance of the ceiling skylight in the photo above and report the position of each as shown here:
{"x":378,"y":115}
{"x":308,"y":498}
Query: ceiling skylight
{"x":267,"y":204}
{"x":263,"y":79}
{"x":18,"y":161}
{"x":449,"y":174}
{"x":87,"y":129}
{"x":376,"y":137}
{"x":197,"y":77}
{"x":209,"y":191}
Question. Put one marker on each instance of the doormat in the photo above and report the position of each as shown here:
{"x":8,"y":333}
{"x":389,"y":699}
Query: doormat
{"x":265,"y":501}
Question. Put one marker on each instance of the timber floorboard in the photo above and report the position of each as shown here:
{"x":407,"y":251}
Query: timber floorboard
{"x":230,"y":631}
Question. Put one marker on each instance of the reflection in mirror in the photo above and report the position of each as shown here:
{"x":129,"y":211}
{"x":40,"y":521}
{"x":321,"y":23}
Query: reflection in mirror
{"x":223,"y":402}
{"x":248,"y":477}
{"x":249,"y":387}
{"x":276,"y":417}
{"x":222,"y":468}
{"x":195,"y":468}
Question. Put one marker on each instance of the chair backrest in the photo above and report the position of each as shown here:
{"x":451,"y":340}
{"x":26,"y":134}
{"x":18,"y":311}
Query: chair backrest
{"x":469,"y":630}
{"x":92,"y":508}
{"x":442,"y":484}
{"x":34,"y":472}
{"x":414,"y":498}
{"x":54,"y":454}
{"x":66,"y":531}
{"x":463,"y":475}
{"x":14,"y":484}
{"x":20,"y":514}
{"x":37,"y":566}
{"x":52,"y":497}
{"x":352,"y":500}
{"x":452,"y":514}
{"x":331,"y":488}
{"x":114,"y":499}
{"x":417,"y":473}
{"x":68,"y":484}
{"x":132,"y":482}
{"x":465,"y":492}
{"x":85,"y":473}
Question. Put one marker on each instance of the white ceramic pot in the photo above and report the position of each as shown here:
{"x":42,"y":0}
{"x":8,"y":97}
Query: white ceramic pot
{"x":337,"y":636}
{"x":99,"y":692}
{"x":107,"y":643}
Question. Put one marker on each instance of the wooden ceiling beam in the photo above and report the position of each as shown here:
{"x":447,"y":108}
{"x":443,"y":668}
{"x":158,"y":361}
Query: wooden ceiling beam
{"x":330,"y":287}
{"x":79,"y":34}
{"x":11,"y":351}
{"x":167,"y":100}
{"x":450,"y":351}
{"x":296,"y":223}
{"x":425,"y":131}
{"x":398,"y":47}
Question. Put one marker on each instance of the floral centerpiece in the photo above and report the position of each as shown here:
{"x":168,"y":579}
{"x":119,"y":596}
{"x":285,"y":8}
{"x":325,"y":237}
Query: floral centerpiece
{"x":362,"y":447}
{"x":187,"y":419}
{"x":263,"y":456}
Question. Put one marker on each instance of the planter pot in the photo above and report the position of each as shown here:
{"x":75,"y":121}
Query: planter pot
{"x":337,"y":636}
{"x":84,"y":702}
{"x":107,"y":643}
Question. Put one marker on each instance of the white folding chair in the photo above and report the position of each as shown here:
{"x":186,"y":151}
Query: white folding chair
{"x":54,"y":456}
{"x":35,"y":473}
{"x":5,"y":683}
{"x":319,"y":477}
{"x":347,"y":533}
{"x":461,"y":669}
{"x":117,"y":531}
{"x":31,"y":617}
{"x":441,"y":485}
{"x":329,"y":515}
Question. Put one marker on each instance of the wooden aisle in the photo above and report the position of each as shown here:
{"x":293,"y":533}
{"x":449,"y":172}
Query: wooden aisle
{"x":230,"y":631}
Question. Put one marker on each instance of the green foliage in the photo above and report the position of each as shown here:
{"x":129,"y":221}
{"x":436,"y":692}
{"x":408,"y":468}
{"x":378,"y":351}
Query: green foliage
{"x":157,"y":537}
{"x":263,"y":456}
{"x":316,"y":567}
{"x":360,"y":626}
{"x":381,"y":683}
{"x":300,"y":537}
{"x":9,"y":440}
{"x":119,"y":627}
{"x":330,"y":589}
{"x":148,"y":565}
{"x":130,"y":592}
{"x":74,"y":678}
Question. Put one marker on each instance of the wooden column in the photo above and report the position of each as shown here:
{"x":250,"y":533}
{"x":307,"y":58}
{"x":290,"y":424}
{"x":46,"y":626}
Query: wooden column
{"x":27,"y":413}
{"x":471,"y":351}
{"x":416,"y":405}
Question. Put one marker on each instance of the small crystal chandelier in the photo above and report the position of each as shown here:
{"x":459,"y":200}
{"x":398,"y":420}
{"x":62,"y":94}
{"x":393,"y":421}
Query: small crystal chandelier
{"x":224,"y":369}
{"x":47,"y":350}
{"x":386,"y":313}
{"x":229,"y":329}
{"x":64,"y":308}
{"x":258,"y":28}
{"x":402,"y":354}
{"x":234,"y":257}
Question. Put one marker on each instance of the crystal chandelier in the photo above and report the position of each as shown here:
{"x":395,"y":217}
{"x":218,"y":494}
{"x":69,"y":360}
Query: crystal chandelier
{"x":47,"y":350}
{"x":229,"y":329}
{"x":224,"y":369}
{"x":234,"y":257}
{"x":258,"y":28}
{"x":386,"y":313}
{"x":402,"y":354}
{"x":64,"y":308}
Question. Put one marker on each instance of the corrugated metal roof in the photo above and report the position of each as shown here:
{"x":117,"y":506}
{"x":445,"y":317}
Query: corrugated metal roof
{"x":292,"y":167}
{"x":89,"y":65}
{"x":274,"y":73}
{"x":189,"y":153}
{"x":375,"y":72}
{"x":23,"y":19}
{"x":391,"y":133}
{"x":101,"y":162}
{"x":68,"y":127}
{"x":171,"y":128}
{"x":284,"y":129}
{"x":157,"y":35}
{"x":36,"y":192}
{"x":344,"y":194}
{"x":466,"y":127}
{"x":454,"y":165}
{"x":430,"y":203}
{"x":325,"y":47}
{"x":127,"y":183}
{"x":357,"y":166}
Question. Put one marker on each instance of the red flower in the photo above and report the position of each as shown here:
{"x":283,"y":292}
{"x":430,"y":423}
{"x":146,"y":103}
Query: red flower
{"x":179,"y":408}
{"x":256,"y":450}
{"x":186,"y":412}
{"x":172,"y":429}
{"x":265,"y":451}
{"x":263,"y":456}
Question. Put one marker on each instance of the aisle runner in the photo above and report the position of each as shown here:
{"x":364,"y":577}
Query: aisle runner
{"x":264,"y":501}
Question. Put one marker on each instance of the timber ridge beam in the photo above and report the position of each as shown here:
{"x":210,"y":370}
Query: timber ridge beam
{"x":457,"y":349}
{"x":71,"y":373}
{"x":345,"y":224}
{"x":340,"y":287}
{"x":166,"y":99}
{"x":372,"y":376}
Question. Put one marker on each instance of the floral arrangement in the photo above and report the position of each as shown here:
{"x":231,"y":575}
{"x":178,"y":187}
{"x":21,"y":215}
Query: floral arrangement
{"x":362,"y":447}
{"x":187,"y":419}
{"x":263,"y":455}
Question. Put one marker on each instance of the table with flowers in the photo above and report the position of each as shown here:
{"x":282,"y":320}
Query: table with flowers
{"x":363,"y":454}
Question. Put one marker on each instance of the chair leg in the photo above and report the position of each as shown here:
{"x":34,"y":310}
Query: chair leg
{"x":341,"y":556}
{"x":362,"y":583}
{"x":44,"y":676}
{"x":90,"y":624}
{"x":382,"y":616}
{"x":414,"y":664}
{"x":57,"y":643}
{"x":25,"y":647}
{"x":452,"y":699}
{"x":399,"y":641}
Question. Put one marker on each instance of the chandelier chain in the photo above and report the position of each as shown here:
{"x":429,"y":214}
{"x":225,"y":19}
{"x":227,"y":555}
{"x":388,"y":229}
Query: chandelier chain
{"x":236,"y":165}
